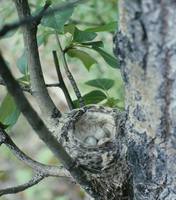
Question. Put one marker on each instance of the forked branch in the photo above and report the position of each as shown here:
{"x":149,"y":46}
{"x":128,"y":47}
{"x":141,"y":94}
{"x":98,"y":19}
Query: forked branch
{"x":40,"y":128}
{"x":39,"y":91}
{"x":30,"y":19}
{"x":68,"y":73}
{"x":61,"y":81}
{"x":41,"y":171}
{"x":48,"y":170}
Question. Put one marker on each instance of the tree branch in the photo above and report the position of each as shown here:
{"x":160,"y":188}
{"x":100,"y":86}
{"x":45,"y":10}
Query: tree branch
{"x":29,"y":19}
{"x":42,"y":131}
{"x":39,"y":91}
{"x":37,"y":166}
{"x":53,"y":85}
{"x":42,"y":171}
{"x":61,"y":81}
{"x":38,"y":177}
{"x":35,"y":180}
{"x":27,"y":88}
{"x":69,"y":74}
{"x":23,"y":87}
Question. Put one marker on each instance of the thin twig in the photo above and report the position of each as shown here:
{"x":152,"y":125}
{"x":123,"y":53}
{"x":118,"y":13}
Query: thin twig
{"x":69,"y":74}
{"x":42,"y":12}
{"x":42,"y":171}
{"x":30,"y":19}
{"x":37,"y":166}
{"x":27,"y":88}
{"x":53,"y":85}
{"x":40,"y":128}
{"x":35,"y":180}
{"x":38,"y":177}
{"x":61,"y":81}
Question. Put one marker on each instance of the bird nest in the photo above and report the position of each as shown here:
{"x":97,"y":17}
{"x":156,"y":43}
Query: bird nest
{"x":90,"y":134}
{"x":93,"y":137}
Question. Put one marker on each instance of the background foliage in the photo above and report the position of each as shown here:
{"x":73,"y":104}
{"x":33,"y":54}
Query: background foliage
{"x":86,"y":33}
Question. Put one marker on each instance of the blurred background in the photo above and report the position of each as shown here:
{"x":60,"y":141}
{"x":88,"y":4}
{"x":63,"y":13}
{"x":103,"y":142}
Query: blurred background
{"x":88,"y":15}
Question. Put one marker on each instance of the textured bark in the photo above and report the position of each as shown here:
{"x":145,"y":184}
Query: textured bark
{"x":146,"y":47}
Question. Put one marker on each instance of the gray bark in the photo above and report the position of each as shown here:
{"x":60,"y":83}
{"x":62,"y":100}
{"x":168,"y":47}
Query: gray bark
{"x":146,"y":47}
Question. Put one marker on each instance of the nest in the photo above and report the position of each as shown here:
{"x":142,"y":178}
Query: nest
{"x":92,"y":136}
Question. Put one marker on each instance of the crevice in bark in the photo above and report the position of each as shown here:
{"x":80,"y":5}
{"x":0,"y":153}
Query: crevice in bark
{"x":167,"y":83}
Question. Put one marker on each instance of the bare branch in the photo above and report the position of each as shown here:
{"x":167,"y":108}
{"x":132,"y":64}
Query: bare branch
{"x":23,"y":87}
{"x":53,"y":85}
{"x":69,"y":74}
{"x":42,"y":171}
{"x":61,"y":81}
{"x":13,"y":87}
{"x":50,"y":112}
{"x":42,"y":12}
{"x":30,"y":19}
{"x":35,"y":180}
{"x":27,"y":88}
{"x":37,"y":166}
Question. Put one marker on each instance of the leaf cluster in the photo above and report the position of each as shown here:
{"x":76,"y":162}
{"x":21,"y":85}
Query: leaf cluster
{"x":82,"y":41}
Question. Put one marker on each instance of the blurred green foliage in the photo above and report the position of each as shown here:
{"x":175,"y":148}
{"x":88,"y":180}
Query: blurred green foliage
{"x":86,"y":33}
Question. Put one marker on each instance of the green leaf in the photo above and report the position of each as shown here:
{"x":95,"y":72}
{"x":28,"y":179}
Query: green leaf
{"x":3,"y":126}
{"x":9,"y":113}
{"x":112,"y":102}
{"x":86,"y":59}
{"x":79,"y":35}
{"x":82,"y":36}
{"x":92,"y":97}
{"x":58,"y":19}
{"x":112,"y":26}
{"x":69,"y":28}
{"x":102,"y":83}
{"x":43,"y":38}
{"x":112,"y":61}
{"x":22,"y":64}
{"x":24,"y":80}
{"x":93,"y":44}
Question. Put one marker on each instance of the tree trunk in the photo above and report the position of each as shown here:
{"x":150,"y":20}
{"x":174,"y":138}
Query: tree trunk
{"x":146,"y":47}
